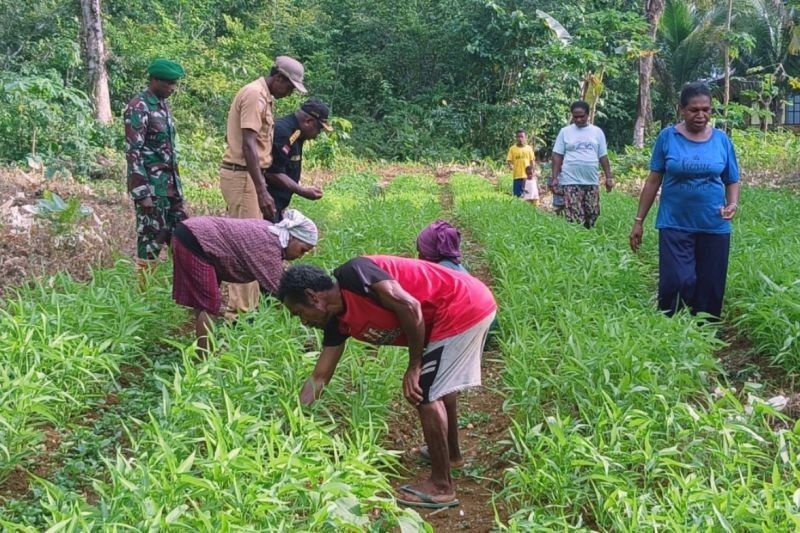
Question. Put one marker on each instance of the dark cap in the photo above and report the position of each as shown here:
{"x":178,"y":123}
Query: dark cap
{"x":317,"y":109}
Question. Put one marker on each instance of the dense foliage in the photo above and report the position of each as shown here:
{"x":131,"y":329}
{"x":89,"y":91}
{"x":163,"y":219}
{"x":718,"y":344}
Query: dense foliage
{"x":433,"y":79}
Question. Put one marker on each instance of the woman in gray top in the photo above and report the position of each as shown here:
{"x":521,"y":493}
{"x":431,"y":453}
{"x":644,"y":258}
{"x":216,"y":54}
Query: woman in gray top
{"x":578,"y":150}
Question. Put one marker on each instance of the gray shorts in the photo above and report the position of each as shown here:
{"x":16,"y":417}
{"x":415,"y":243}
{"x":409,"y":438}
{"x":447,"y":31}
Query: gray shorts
{"x":454,"y":364}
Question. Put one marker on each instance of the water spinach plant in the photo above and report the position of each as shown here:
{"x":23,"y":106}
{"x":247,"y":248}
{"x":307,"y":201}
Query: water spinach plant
{"x":229,"y":447}
{"x":620,"y":420}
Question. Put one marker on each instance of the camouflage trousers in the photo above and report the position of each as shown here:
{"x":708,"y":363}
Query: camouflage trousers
{"x":154,"y":230}
{"x":582,"y":204}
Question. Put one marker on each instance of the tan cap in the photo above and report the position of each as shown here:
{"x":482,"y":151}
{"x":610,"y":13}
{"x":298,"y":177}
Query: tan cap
{"x":293,"y":70}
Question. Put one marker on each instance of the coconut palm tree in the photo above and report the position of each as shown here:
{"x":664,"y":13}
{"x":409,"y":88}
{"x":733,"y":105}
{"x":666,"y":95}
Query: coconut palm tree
{"x":690,"y":44}
{"x":644,"y":105}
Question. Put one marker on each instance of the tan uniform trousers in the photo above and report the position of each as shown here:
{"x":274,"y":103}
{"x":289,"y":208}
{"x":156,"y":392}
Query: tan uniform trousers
{"x":240,"y":196}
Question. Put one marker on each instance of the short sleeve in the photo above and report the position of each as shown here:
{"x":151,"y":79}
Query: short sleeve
{"x":508,"y":155}
{"x":602,"y":146}
{"x":731,"y":172}
{"x":332,"y":336}
{"x":358,"y":274}
{"x":658,"y":159}
{"x":281,"y":150}
{"x":532,"y":154}
{"x":560,"y":146}
{"x":251,"y":109}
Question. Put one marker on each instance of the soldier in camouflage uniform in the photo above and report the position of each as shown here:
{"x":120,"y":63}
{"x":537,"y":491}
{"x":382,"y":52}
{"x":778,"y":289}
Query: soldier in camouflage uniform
{"x":153,"y":179}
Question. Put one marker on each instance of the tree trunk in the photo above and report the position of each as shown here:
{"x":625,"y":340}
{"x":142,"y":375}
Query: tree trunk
{"x":95,"y":54}
{"x":727,"y":96}
{"x":644,"y":104}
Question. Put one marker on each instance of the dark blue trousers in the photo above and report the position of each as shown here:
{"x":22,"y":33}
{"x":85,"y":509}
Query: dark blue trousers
{"x":692,"y":269}
{"x":519,"y":187}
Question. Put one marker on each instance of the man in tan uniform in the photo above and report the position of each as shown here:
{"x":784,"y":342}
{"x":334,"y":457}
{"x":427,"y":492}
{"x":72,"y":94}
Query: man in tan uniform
{"x":249,"y":153}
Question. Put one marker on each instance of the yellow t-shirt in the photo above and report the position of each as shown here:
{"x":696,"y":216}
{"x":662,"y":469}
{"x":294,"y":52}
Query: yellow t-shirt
{"x":520,"y":157}
{"x":250,"y":109}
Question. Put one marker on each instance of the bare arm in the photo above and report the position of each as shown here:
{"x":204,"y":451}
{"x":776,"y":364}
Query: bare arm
{"x":731,"y":201}
{"x":282,"y":181}
{"x":322,"y":374}
{"x":557,"y":162}
{"x":250,"y":149}
{"x":604,"y":162}
{"x":646,"y":199}
{"x":409,"y":313}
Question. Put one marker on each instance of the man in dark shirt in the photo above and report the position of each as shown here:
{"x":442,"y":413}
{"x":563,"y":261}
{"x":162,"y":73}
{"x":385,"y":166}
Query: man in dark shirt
{"x":291,"y":131}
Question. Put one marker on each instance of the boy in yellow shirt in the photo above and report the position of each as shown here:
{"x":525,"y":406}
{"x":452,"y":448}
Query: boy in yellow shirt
{"x":520,"y":159}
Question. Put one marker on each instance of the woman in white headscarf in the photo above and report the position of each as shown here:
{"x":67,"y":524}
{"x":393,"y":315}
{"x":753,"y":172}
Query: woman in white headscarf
{"x":208,"y":250}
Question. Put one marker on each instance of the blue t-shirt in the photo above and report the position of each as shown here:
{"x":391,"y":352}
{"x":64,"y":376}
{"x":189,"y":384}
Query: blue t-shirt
{"x":695,"y":176}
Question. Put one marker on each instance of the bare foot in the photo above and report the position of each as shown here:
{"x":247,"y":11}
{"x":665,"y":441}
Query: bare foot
{"x":425,"y":456}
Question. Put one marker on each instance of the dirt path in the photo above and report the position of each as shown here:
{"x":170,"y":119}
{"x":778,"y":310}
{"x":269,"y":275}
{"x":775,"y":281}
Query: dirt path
{"x":482,"y":423}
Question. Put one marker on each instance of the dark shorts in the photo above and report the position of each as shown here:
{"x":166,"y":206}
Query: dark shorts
{"x":519,"y":187}
{"x":194,"y":280}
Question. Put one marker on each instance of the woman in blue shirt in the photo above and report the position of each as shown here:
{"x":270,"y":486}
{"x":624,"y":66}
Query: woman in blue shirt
{"x":695,"y":166}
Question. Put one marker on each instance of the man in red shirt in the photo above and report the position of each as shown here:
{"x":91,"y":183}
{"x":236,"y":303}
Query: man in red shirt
{"x":441,"y":315}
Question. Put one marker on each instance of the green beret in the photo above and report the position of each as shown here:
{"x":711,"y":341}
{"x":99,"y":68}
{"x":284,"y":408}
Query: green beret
{"x":164,"y":69}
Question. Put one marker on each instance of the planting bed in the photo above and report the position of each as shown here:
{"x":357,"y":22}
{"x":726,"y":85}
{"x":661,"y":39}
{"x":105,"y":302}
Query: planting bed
{"x":600,"y":412}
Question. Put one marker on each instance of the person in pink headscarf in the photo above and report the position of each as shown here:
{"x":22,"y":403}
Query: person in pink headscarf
{"x":440,"y":243}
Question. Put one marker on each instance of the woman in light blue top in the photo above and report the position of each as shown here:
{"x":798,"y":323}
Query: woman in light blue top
{"x":695,"y":166}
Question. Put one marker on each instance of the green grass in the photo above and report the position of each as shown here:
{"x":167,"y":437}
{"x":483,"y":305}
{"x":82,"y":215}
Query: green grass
{"x":615,"y":425}
{"x":763,"y":293}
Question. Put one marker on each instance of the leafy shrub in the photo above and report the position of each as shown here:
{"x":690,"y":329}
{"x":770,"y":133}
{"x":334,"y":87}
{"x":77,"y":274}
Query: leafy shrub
{"x":40,"y":117}
{"x":327,"y":148}
{"x":763,"y":154}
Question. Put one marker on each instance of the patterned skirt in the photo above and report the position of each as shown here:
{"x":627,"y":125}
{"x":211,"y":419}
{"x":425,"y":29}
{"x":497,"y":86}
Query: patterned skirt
{"x":582,"y":204}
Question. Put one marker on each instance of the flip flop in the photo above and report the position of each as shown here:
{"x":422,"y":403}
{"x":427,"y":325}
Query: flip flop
{"x":425,"y":456}
{"x":426,"y":500}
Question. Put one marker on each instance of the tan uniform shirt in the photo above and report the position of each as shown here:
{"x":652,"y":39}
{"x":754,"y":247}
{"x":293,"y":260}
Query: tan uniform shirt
{"x":251,"y":109}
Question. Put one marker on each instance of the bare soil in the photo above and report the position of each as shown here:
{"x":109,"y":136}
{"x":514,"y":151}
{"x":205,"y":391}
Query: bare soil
{"x":743,"y":364}
{"x":483,"y":425}
{"x":483,"y":436}
{"x":30,"y":247}
{"x":17,"y":484}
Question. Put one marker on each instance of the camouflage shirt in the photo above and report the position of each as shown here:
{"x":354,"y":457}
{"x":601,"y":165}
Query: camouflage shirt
{"x":150,"y":138}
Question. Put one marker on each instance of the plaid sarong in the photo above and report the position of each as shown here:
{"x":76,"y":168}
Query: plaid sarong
{"x":194,"y":280}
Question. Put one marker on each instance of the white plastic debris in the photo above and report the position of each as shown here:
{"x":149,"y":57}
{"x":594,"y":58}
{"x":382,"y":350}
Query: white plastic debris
{"x":778,"y":402}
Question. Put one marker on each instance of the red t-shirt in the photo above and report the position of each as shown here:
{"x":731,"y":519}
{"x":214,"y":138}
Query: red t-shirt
{"x":452,"y":302}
